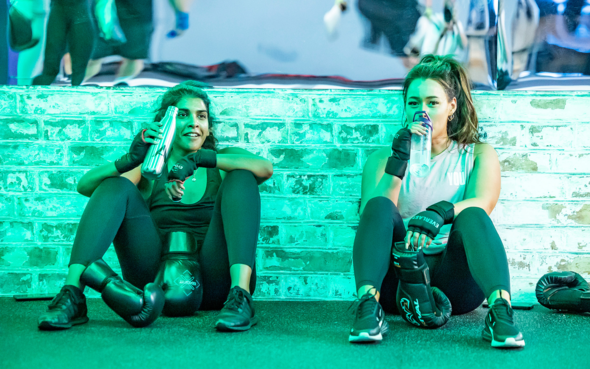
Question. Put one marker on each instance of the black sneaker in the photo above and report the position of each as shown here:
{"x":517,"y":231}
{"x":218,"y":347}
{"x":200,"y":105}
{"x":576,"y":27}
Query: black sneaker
{"x":500,"y":329}
{"x":68,"y":308}
{"x":369,"y":322}
{"x":238,"y":312}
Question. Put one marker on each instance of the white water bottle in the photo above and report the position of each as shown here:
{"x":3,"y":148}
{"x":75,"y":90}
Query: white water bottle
{"x":421,"y":146}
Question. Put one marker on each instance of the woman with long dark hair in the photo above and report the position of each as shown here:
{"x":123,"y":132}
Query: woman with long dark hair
{"x":199,"y":250}
{"x":444,"y":216}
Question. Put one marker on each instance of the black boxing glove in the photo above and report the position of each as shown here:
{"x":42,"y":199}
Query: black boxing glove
{"x":180,"y":275}
{"x":401,"y":146}
{"x":417,"y":302}
{"x":564,"y":291}
{"x":430,"y":221}
{"x":136,"y":155}
{"x":139,"y":308}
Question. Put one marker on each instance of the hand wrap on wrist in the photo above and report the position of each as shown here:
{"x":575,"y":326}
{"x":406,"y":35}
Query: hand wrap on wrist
{"x":136,"y":155}
{"x":401,"y":147}
{"x":186,"y":166}
{"x":445,"y":209}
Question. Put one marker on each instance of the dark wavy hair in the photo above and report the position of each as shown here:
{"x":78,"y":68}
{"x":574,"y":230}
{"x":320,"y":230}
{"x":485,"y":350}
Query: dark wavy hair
{"x":188,"y":89}
{"x":463,"y":128}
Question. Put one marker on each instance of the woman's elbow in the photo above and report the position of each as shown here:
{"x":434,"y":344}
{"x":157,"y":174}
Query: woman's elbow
{"x":267,"y":170}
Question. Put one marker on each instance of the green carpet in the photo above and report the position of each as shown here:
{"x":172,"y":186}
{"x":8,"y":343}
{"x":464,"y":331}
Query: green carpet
{"x":289,"y":335}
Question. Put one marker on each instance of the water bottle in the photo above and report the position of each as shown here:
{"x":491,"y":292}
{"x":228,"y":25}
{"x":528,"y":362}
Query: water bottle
{"x":157,"y":154}
{"x":421,"y":146}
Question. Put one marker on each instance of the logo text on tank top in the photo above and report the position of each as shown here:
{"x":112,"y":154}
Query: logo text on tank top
{"x":456,"y":178}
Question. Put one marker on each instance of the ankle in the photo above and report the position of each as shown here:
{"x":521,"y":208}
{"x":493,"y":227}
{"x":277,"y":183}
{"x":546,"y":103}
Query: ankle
{"x":242,"y":286}
{"x":499,"y":294}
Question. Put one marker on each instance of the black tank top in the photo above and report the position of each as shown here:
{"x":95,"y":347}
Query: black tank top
{"x":175,"y":216}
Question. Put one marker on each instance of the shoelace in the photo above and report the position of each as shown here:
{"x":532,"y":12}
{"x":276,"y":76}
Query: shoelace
{"x":503,"y":313}
{"x":366,"y":304}
{"x":61,"y":299}
{"x":234,"y":300}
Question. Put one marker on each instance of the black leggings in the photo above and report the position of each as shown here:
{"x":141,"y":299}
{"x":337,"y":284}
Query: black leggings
{"x":472,"y":266}
{"x":69,"y":23}
{"x":116,"y":213}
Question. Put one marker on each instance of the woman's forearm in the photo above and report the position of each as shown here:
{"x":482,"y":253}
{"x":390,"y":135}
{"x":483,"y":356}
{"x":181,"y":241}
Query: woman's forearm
{"x":389,"y":186}
{"x":93,"y":178}
{"x":260,"y":167}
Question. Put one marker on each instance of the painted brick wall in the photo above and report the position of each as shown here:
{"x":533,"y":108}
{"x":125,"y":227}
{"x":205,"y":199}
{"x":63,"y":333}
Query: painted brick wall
{"x":318,"y":142}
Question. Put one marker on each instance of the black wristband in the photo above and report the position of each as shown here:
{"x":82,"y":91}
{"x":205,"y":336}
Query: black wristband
{"x":396,"y":167}
{"x":445,"y":209}
{"x":207,"y":158}
{"x":123,"y":164}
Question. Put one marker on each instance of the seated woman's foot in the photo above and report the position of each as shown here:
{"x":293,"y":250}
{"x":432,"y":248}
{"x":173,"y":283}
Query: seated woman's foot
{"x":369,"y":322}
{"x":68,"y":308}
{"x":500,"y":329}
{"x":238,"y":312}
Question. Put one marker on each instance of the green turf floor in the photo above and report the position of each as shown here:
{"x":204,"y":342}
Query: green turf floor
{"x":289,"y":335}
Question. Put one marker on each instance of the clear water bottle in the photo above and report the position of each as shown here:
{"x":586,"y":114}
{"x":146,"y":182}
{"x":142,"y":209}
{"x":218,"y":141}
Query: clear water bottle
{"x":421,"y":146}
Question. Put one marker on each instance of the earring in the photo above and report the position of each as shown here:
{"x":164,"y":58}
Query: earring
{"x":451,"y":117}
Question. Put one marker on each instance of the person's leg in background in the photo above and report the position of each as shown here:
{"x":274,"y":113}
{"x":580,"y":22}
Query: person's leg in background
{"x":116,"y":213}
{"x":55,"y":44}
{"x":30,"y":61}
{"x":228,"y":254}
{"x":182,"y":10}
{"x":81,"y":41}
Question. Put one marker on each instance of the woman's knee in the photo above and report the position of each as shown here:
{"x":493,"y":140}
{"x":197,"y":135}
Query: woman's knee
{"x":116,"y":184}
{"x":381,"y":206}
{"x":240,"y":175}
{"x":471,"y":215}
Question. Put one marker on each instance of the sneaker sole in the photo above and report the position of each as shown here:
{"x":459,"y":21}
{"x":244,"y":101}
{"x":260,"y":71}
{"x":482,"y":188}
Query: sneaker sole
{"x":220,"y":325}
{"x":366,"y":337}
{"x":510,"y":342}
{"x":48,"y":326}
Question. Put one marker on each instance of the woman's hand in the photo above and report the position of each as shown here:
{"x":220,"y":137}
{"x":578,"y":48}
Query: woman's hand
{"x":423,"y":228}
{"x":417,"y":128}
{"x":174,"y":190}
{"x":139,"y":148}
{"x":417,"y":240}
{"x":153,"y":133}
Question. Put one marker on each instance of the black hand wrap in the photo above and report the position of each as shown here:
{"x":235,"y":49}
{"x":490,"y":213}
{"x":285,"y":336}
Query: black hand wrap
{"x":426,"y":222}
{"x":137,"y":152}
{"x":445,"y":209}
{"x":564,"y":291}
{"x":417,"y":302}
{"x":401,"y":146}
{"x":186,"y":166}
{"x":430,"y":221}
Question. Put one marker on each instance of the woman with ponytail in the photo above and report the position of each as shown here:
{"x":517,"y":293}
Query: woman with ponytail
{"x":440,"y":220}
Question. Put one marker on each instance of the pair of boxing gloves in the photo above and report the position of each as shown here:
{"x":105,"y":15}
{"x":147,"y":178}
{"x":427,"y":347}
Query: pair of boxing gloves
{"x":177,"y":290}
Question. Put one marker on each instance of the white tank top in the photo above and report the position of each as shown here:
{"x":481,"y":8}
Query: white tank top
{"x":447,"y":180}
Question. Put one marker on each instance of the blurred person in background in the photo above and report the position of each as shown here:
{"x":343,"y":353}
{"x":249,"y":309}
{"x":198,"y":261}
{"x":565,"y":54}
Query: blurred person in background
{"x":70,"y":23}
{"x":517,"y":26}
{"x":393,"y":19}
{"x":438,"y":34}
{"x":34,"y":14}
{"x":127,"y":33}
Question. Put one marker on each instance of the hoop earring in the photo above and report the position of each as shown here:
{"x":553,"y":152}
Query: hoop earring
{"x":451,"y":117}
